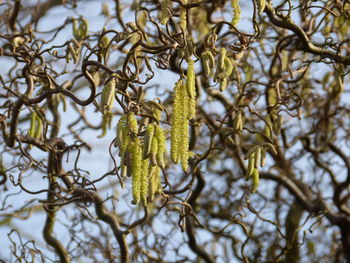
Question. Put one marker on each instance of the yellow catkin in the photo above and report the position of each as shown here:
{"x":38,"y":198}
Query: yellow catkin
{"x":191,"y":89}
{"x":183,"y":18}
{"x":124,"y":170}
{"x":154,"y":151}
{"x":223,"y":84}
{"x":180,"y":122}
{"x":165,"y":11}
{"x":132,"y":123}
{"x":161,"y":146}
{"x":126,"y":162}
{"x":84,"y":27}
{"x":225,"y":72}
{"x":144,"y":181}
{"x":205,"y":63}
{"x":250,"y":168}
{"x":122,"y":134}
{"x":176,"y":121}
{"x":208,"y":62}
{"x":184,"y":145}
{"x":136,"y":169}
{"x":158,"y":182}
{"x":228,"y":67}
{"x":255,"y":180}
{"x":152,"y":182}
{"x":107,"y":96}
{"x":183,"y":128}
{"x":263,"y":157}
{"x":257,"y":157}
{"x":106,"y":121}
{"x":237,"y":123}
{"x":80,"y":30}
{"x":38,"y":128}
{"x":236,"y":12}
{"x":76,"y":32}
{"x":222,"y":56}
{"x":261,"y":5}
{"x":147,"y":141}
{"x":33,"y":118}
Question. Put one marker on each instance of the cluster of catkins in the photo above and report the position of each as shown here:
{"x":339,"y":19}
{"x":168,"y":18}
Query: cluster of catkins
{"x":142,"y":159}
{"x":184,"y":108}
{"x":223,"y":70}
{"x":256,"y":157}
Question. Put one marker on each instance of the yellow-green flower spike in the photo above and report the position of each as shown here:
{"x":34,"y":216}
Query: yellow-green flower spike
{"x":277,"y":125}
{"x":165,"y":11}
{"x":124,"y":170}
{"x":179,"y":130}
{"x":251,"y":162}
{"x":147,"y":140}
{"x":208,"y":62}
{"x":136,"y":169}
{"x":122,"y":136}
{"x":261,"y":5}
{"x":176,"y":121}
{"x":152,"y":182}
{"x":33,"y":118}
{"x":222,"y":56}
{"x":191,"y":89}
{"x":223,"y":84}
{"x":76,"y":32}
{"x":236,"y":12}
{"x":263,"y":157}
{"x":144,"y":181}
{"x":238,"y":122}
{"x":184,"y":141}
{"x":161,"y":146}
{"x":257,"y":157}
{"x":225,"y":73}
{"x":107,"y":96}
{"x":210,"y":58}
{"x":184,"y":137}
{"x":106,"y":120}
{"x":158,"y":184}
{"x":84,"y":27}
{"x":125,"y":164}
{"x":80,"y":31}
{"x":228,"y":67}
{"x":127,"y":160}
{"x":154,"y":151}
{"x":206,"y":66}
{"x":255,"y":177}
{"x":183,"y":18}
{"x":157,"y":113}
{"x":38,"y":128}
{"x":132,"y":123}
{"x":190,"y":81}
{"x":184,"y":144}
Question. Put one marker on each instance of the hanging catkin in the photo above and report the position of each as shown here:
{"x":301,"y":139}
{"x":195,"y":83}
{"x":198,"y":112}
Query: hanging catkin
{"x":191,"y":90}
{"x":236,"y":12}
{"x":179,"y":129}
{"x":136,"y":169}
{"x":178,"y":109}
